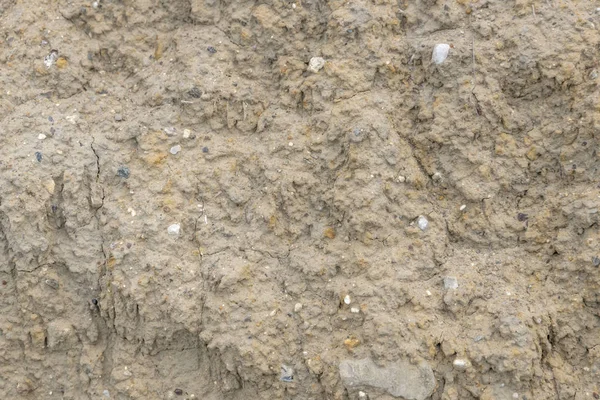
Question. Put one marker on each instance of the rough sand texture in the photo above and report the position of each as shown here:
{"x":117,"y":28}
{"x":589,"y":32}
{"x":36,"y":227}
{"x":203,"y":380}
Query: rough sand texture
{"x":299,"y":269}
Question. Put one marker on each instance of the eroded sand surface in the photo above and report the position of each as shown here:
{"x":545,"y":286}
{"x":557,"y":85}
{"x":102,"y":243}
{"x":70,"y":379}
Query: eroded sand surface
{"x":371,"y":225}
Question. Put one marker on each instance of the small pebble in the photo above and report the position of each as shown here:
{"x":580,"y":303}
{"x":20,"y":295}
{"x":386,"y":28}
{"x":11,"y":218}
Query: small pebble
{"x":515,"y":395}
{"x":178,"y":392}
{"x":186,"y":133}
{"x":401,"y":179}
{"x":174,"y":229}
{"x":463,"y":207}
{"x":41,"y":136}
{"x":297,"y":307}
{"x":422,"y":222}
{"x":287,"y":373}
{"x":175,"y":149}
{"x":440,"y":53}
{"x":123,"y":172}
{"x":51,"y":58}
{"x":596,"y":261}
{"x":460,"y":363}
{"x":355,"y":310}
{"x":211,"y":50}
{"x":347,"y":299}
{"x":450,"y":282}
{"x":522,"y":217}
{"x":51,"y":119}
{"x":205,"y":149}
{"x":316,"y":64}
{"x":118,"y":117}
{"x":195,"y":92}
{"x":38,"y":156}
{"x":106,"y":393}
{"x":170,"y":131}
{"x":362,"y":395}
{"x":52,"y":283}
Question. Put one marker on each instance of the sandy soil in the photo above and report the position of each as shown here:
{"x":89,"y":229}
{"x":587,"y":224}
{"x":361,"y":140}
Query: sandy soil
{"x":191,"y":208}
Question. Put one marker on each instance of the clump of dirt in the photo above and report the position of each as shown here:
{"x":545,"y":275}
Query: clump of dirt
{"x":218,"y":199}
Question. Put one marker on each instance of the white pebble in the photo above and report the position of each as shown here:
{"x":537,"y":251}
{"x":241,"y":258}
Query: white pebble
{"x":401,"y":179}
{"x":463,"y":207}
{"x":297,"y":307}
{"x":461,"y":363}
{"x":316,"y":63}
{"x":422,"y":222}
{"x":355,"y":310}
{"x":515,"y":395}
{"x":347,"y":299}
{"x":175,"y":149}
{"x":428,"y":292}
{"x":170,"y":131}
{"x":186,"y":133}
{"x":362,"y":395}
{"x":440,"y":53}
{"x":41,"y":136}
{"x":173,"y":230}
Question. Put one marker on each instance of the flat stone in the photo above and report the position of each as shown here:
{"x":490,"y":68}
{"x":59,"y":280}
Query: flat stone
{"x":400,"y":379}
{"x":450,"y":282}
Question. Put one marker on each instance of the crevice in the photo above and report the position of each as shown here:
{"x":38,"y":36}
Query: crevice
{"x":97,"y":165}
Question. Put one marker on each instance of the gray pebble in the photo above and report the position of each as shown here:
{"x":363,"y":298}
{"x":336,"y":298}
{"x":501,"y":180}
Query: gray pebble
{"x":287,"y":373}
{"x":118,"y":117}
{"x":123,"y":172}
{"x":450,"y":282}
{"x":52,"y":283}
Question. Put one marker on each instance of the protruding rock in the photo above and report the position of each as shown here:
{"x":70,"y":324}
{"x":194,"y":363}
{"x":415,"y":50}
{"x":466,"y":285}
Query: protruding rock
{"x":400,"y":379}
